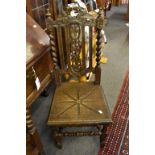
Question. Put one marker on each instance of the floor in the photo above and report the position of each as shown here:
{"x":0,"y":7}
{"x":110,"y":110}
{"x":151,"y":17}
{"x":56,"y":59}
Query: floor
{"x":117,"y":52}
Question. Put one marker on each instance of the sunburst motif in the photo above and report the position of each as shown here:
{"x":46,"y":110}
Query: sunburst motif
{"x":79,"y":100}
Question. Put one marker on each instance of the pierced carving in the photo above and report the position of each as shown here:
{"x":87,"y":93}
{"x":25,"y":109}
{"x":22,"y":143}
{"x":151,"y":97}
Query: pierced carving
{"x":76,"y":64}
{"x":79,"y":104}
{"x":74,"y":24}
{"x":82,"y":18}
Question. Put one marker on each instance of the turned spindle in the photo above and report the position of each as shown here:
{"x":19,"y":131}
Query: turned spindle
{"x":35,"y":138}
{"x":54,"y":52}
{"x":99,"y":24}
{"x":52,"y":41}
{"x":29,"y":123}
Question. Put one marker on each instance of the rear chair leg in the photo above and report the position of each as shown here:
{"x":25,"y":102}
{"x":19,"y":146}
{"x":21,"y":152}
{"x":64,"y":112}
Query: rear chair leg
{"x":103,"y":135}
{"x":57,"y":137}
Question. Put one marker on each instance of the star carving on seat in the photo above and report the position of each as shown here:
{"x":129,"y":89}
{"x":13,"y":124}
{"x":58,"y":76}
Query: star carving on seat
{"x":78,"y":101}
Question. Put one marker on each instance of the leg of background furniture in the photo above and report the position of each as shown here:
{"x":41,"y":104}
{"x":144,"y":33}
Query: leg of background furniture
{"x":45,"y":93}
{"x":33,"y":132}
{"x":103,"y":135}
{"x":57,"y":137}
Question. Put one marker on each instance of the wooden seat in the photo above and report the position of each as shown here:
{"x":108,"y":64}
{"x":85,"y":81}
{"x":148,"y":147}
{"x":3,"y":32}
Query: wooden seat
{"x":77,"y":104}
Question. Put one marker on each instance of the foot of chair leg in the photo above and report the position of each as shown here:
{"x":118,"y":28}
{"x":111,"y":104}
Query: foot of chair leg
{"x":103,"y":136}
{"x":57,"y":137}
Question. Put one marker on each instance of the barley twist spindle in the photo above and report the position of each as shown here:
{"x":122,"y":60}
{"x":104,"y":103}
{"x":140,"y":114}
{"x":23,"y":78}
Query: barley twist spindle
{"x":55,"y":59}
{"x":35,"y":138}
{"x":52,"y":40}
{"x":53,"y":50}
{"x":29,"y":122}
{"x":99,"y":46}
{"x":99,"y":25}
{"x":52,"y":35}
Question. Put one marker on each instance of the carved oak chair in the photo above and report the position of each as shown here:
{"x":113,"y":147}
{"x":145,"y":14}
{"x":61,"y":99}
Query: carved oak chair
{"x":81,"y":103}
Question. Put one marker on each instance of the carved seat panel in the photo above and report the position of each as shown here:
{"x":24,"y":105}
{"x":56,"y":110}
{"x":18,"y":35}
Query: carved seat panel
{"x":77,"y":104}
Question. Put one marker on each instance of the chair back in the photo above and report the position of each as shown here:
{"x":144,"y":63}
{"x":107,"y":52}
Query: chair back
{"x":71,"y":56}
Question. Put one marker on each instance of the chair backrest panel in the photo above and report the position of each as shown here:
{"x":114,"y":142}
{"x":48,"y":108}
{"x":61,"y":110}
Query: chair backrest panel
{"x":74,"y":58}
{"x":73,"y":29}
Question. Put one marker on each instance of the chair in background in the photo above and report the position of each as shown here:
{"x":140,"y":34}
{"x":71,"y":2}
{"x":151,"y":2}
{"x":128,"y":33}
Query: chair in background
{"x":77,"y":104}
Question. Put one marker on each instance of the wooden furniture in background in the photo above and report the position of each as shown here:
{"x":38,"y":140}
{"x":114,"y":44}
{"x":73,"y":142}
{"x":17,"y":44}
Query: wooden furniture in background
{"x":127,"y":13}
{"x":29,"y":8}
{"x":38,"y":60}
{"x":106,"y":5}
{"x":77,"y":104}
{"x":116,"y":2}
{"x":119,"y":2}
{"x":124,"y":1}
{"x":38,"y":64}
{"x":37,"y":10}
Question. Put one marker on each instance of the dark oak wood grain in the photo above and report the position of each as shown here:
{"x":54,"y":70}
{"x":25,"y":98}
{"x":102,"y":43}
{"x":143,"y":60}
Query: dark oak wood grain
{"x":77,"y":104}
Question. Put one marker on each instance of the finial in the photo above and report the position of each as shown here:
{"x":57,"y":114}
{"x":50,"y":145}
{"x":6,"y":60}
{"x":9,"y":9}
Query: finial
{"x":48,"y":14}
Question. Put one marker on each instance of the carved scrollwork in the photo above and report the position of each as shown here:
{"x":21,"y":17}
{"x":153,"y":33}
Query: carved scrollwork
{"x":76,"y":64}
{"x":74,"y":28}
{"x":83,"y":18}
